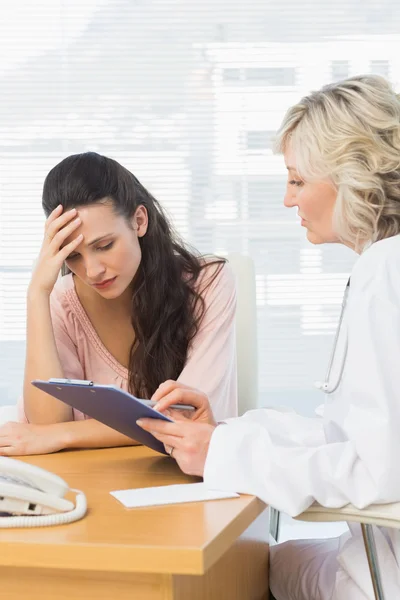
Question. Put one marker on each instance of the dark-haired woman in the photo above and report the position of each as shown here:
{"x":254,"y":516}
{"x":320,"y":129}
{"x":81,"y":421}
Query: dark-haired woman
{"x":135,"y":308}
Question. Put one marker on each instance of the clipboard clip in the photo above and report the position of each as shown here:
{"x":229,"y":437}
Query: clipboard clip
{"x":72,"y":381}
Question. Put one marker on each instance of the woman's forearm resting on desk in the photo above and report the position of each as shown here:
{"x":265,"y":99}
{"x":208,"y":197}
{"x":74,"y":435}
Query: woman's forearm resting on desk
{"x":19,"y":439}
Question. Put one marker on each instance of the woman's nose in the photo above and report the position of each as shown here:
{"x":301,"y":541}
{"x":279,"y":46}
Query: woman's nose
{"x":94,"y":269}
{"x":290,"y":199}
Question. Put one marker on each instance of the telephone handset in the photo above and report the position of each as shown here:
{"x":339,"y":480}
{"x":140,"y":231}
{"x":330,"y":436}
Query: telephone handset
{"x":33,"y":497}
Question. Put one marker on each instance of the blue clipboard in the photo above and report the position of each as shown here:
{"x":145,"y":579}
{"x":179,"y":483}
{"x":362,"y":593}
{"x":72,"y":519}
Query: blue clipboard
{"x":106,"y":403}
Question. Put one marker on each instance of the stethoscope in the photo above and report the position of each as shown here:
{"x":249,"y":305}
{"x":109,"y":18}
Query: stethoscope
{"x":326,"y":387}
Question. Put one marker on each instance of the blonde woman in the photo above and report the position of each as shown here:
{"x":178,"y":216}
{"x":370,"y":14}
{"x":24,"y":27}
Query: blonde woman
{"x":342,"y":152}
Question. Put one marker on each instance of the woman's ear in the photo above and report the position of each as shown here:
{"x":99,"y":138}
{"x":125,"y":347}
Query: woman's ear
{"x":140,"y":221}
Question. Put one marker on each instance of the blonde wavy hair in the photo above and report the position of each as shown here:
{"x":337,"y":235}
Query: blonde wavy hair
{"x":349,"y":133}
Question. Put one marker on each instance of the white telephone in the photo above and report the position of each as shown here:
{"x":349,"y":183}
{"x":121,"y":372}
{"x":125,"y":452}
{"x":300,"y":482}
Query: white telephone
{"x":33,"y":497}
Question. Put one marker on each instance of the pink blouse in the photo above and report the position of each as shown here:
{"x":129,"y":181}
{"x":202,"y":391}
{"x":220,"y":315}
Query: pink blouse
{"x":211,"y":361}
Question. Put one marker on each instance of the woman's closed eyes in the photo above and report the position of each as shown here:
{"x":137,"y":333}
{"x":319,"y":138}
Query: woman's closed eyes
{"x":100,"y":248}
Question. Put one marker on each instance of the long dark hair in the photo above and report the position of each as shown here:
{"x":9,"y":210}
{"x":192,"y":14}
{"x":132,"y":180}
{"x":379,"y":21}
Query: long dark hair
{"x":167,"y":305}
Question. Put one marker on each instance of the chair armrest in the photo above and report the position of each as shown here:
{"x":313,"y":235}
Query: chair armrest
{"x":385,"y":515}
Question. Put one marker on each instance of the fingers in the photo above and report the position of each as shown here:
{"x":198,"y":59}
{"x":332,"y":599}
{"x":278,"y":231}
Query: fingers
{"x":6,"y":447}
{"x":59,"y":238}
{"x":178,"y":415}
{"x":53,"y":215}
{"x":56,"y":248}
{"x":57,"y":220}
{"x":181,"y":395}
{"x":69,"y":248}
{"x":10,"y":451}
{"x":156,"y":426}
{"x":167,"y":387}
{"x":8,"y":441}
{"x":169,"y":440}
{"x":59,"y":228}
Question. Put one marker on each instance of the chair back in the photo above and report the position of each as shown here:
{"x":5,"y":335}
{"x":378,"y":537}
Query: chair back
{"x":246,"y":331}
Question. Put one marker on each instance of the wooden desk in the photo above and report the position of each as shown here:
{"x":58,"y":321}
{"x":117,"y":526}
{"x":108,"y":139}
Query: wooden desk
{"x":209,"y":550}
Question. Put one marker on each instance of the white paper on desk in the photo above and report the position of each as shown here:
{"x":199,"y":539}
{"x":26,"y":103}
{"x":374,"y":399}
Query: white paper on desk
{"x":169,"y":494}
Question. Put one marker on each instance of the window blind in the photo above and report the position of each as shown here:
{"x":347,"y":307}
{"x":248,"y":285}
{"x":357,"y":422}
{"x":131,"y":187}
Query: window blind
{"x":188,"y":95}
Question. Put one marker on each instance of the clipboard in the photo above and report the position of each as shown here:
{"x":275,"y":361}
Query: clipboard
{"x":106,"y":403}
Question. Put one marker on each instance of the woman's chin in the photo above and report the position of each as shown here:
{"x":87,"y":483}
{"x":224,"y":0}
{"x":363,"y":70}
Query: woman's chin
{"x":314,"y":238}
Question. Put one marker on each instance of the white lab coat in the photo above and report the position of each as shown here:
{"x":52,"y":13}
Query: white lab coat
{"x":352,"y":454}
